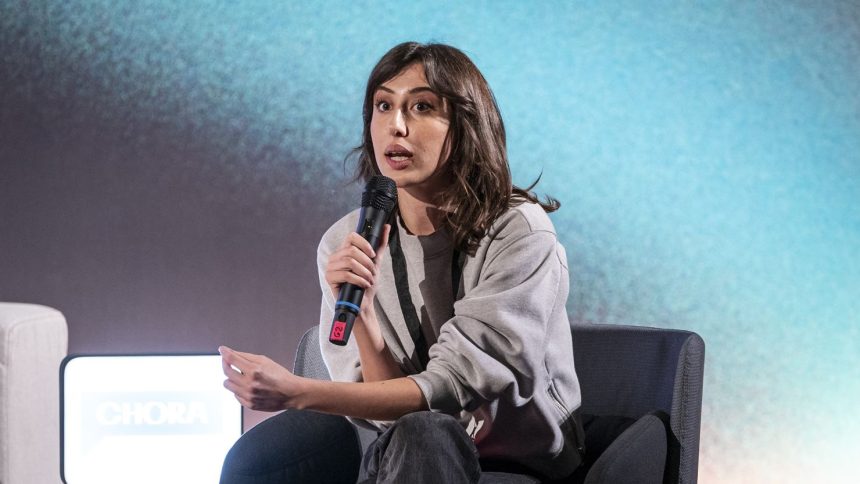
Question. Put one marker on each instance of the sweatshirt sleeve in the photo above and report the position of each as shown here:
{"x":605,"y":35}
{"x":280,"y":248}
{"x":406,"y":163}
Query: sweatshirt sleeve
{"x":494,"y":346}
{"x":342,"y":361}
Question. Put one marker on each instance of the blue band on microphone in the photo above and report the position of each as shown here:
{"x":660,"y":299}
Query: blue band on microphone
{"x":347,"y":304}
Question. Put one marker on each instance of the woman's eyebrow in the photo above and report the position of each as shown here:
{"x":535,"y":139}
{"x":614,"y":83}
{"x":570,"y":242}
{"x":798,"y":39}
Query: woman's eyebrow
{"x":411,"y":91}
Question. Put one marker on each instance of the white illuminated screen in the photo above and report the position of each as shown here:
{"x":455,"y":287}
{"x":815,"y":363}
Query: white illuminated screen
{"x":146,"y":419}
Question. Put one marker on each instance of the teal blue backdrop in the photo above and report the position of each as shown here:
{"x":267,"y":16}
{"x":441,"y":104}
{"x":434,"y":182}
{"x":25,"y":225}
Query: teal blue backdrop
{"x":167,"y":168}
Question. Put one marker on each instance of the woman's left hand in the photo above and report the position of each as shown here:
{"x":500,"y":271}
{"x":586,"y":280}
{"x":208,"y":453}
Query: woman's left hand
{"x":258,"y":382}
{"x":261,"y":384}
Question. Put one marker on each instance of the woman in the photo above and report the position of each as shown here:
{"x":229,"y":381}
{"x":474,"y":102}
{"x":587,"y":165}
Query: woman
{"x":473,"y":268}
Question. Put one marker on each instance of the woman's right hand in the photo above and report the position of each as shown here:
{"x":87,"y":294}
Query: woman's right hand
{"x":353,"y":262}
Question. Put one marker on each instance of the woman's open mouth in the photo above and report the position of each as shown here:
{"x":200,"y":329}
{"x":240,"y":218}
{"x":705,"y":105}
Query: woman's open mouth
{"x":397,"y":156}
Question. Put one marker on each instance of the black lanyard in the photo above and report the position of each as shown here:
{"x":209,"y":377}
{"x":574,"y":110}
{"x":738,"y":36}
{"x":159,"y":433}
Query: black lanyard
{"x":401,"y":281}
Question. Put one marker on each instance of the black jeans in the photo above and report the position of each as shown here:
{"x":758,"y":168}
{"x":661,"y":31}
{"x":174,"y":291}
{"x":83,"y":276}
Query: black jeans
{"x":296,"y":447}
{"x":307,"y":447}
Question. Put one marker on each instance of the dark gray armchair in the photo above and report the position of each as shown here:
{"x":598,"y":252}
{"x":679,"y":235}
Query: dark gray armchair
{"x":641,"y":401}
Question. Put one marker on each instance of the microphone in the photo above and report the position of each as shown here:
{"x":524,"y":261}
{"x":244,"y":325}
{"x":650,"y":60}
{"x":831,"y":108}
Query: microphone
{"x":377,"y":202}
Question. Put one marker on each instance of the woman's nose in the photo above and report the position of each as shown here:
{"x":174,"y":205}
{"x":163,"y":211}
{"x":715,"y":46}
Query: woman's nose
{"x":397,"y":124}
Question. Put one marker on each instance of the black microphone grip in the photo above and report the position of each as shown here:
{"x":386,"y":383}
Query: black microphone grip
{"x":377,"y":204}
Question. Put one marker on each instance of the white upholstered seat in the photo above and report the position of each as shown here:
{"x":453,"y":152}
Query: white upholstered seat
{"x":33,"y":343}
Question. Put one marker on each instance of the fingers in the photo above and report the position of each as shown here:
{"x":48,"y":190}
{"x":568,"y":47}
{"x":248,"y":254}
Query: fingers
{"x":227,"y":368}
{"x":227,"y":361}
{"x":243,"y":358}
{"x":243,"y":402}
{"x":241,"y":372}
{"x":356,"y":240}
{"x":238,"y":392}
{"x":235,"y":363}
{"x":352,"y":263}
{"x":258,"y":386}
{"x":233,"y":373}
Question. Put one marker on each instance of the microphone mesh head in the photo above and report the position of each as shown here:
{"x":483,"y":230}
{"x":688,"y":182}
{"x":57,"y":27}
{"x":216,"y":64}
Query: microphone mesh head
{"x":380,"y":193}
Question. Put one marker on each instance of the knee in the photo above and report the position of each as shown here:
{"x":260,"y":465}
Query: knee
{"x":424,"y":444}
{"x":286,"y":445}
{"x":428,"y":425}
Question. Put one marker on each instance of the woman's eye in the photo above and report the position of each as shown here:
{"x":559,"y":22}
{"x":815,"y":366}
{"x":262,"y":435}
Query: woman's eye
{"x":382,"y":105}
{"x":423,"y":106}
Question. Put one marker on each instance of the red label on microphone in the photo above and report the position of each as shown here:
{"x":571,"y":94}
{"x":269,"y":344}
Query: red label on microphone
{"x":337,"y":330}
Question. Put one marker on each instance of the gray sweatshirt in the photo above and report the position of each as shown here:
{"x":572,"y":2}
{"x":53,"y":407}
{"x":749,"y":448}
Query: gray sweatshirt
{"x":501,"y":358}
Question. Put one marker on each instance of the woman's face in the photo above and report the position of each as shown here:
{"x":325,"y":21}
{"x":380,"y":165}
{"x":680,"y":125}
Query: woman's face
{"x":409,"y":127}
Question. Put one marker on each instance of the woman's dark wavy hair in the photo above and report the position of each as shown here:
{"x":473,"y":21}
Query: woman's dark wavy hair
{"x":481,"y":188}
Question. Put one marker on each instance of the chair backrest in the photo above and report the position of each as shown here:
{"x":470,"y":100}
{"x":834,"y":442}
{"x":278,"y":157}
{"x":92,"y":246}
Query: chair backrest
{"x":632,"y":370}
{"x":309,"y":362}
{"x":623,"y":371}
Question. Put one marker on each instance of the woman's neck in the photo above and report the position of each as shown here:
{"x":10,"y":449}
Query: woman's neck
{"x":419,"y":216}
